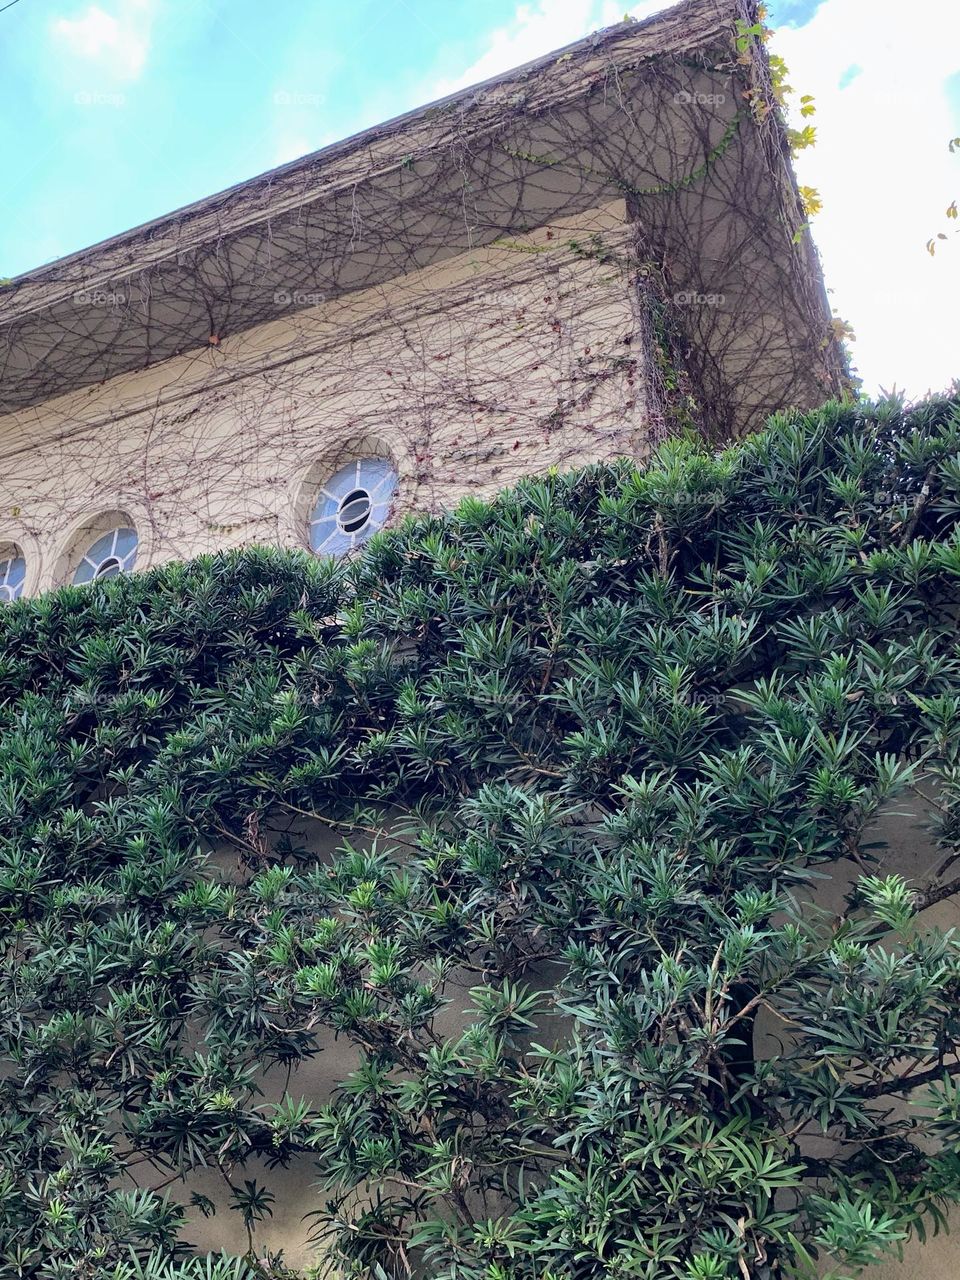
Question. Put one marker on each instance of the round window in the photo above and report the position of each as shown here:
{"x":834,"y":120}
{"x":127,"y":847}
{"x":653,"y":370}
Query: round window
{"x":115,"y":552}
{"x":13,"y":571}
{"x":351,"y":505}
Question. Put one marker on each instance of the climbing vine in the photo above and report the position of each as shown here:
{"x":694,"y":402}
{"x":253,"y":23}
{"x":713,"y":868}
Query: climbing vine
{"x":512,"y":899}
{"x":951,"y":211}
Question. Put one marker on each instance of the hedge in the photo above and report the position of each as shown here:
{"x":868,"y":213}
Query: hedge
{"x":594,"y":754}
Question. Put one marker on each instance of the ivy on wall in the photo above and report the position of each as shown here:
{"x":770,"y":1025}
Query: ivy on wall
{"x":589,"y":749}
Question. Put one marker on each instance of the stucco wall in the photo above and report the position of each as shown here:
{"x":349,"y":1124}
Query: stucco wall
{"x":499,"y":363}
{"x":502,"y":362}
{"x":909,"y":851}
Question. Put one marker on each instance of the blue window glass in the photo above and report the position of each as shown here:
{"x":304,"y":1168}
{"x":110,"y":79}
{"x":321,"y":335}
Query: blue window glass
{"x":115,"y":552}
{"x":13,"y":571}
{"x":351,"y":505}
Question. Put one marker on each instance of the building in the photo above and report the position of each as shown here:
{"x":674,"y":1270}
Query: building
{"x":552,"y":268}
{"x":548,"y":269}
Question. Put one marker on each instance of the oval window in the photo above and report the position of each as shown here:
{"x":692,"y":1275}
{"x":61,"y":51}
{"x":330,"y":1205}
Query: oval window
{"x":351,"y":506}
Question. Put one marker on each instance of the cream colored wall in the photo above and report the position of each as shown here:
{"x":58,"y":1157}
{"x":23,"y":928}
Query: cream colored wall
{"x":912,"y":853}
{"x":296,"y":1194}
{"x":909,"y":852}
{"x":500,"y":363}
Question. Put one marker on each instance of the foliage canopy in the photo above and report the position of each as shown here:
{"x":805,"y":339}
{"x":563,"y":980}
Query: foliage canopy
{"x":597,"y":753}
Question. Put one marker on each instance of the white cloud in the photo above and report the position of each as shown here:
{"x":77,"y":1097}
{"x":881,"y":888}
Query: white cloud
{"x":118,"y":42}
{"x":537,"y":29}
{"x":291,"y":146}
{"x":882,"y":166}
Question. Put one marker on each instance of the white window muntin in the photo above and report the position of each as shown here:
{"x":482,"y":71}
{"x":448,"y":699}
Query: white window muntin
{"x":351,"y":505}
{"x":113,"y":553}
{"x":13,"y":573}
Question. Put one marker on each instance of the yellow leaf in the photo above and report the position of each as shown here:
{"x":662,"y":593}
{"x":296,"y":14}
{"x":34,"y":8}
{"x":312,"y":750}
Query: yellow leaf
{"x":810,"y":198}
{"x":800,"y":139}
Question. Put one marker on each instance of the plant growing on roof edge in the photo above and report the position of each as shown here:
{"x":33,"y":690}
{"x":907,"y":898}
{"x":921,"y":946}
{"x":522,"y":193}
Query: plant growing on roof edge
{"x":594,"y":748}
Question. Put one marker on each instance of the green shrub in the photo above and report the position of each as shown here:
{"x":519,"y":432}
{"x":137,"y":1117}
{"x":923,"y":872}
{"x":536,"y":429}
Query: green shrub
{"x":595,"y":750}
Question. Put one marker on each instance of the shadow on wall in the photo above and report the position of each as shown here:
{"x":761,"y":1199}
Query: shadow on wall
{"x":298,"y":1199}
{"x":911,"y":853}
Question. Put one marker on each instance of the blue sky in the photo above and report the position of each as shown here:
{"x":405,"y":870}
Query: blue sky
{"x":117,"y":111}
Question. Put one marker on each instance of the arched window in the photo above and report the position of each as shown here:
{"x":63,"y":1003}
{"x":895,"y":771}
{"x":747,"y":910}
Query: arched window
{"x":13,"y":572}
{"x":113,"y":552}
{"x":351,"y":505}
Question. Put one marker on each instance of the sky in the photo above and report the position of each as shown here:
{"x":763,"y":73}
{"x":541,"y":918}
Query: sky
{"x":117,"y":111}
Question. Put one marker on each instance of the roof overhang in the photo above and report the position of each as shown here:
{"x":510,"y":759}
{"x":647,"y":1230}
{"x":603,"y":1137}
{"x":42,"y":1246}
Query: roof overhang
{"x":667,"y":113}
